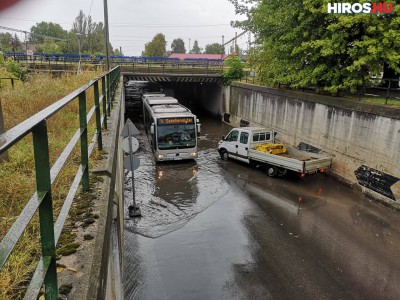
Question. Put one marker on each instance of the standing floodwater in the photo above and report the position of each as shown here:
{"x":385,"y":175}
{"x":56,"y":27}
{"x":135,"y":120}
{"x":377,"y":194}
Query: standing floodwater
{"x":213,"y":229}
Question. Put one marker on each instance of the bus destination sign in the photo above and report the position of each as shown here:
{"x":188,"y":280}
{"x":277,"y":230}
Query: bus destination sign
{"x":175,"y":121}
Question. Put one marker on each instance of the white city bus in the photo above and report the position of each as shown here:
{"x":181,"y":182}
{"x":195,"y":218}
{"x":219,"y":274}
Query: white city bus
{"x":171,"y":127}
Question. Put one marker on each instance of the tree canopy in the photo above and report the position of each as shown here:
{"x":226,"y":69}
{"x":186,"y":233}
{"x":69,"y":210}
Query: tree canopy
{"x":156,"y":47}
{"x":8,"y":42}
{"x":43,"y":29}
{"x":300,"y":44}
{"x":213,"y":49}
{"x":178,"y":46}
{"x":91,"y":35}
{"x":196,"y":48}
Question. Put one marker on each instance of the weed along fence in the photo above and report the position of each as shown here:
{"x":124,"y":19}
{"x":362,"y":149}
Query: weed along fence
{"x":41,"y":205}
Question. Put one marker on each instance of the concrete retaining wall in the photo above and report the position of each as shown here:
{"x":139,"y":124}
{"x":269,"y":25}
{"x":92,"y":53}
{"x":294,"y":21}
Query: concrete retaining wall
{"x":355,"y":134}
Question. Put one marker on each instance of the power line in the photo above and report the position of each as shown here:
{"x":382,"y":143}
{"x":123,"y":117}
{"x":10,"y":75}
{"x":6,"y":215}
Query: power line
{"x":182,"y":37}
{"x":31,"y":33}
{"x":232,"y":39}
{"x":90,"y":9}
{"x":165,"y":25}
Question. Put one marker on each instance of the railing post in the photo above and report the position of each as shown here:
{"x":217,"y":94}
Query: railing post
{"x":84,"y":141}
{"x":108,"y":94}
{"x":98,"y":118}
{"x":43,"y":184}
{"x":103,"y":90}
{"x":388,"y":91}
{"x":4,"y":155}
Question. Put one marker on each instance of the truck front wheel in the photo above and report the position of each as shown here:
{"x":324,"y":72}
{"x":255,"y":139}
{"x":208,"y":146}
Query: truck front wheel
{"x":272,"y":171}
{"x":224,"y":154}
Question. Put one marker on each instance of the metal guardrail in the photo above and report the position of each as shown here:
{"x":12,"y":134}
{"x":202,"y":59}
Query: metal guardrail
{"x":167,"y":67}
{"x":42,"y":199}
{"x":385,"y":88}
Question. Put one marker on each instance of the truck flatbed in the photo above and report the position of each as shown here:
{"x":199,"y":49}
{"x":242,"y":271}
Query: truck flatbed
{"x":241,"y":144}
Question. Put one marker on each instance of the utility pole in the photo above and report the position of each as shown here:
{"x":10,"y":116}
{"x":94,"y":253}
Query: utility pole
{"x":80,"y":57}
{"x":249,"y":43}
{"x":107,"y":35}
{"x":67,"y":41}
{"x":13,"y":40}
{"x":26,"y":46}
{"x":189,"y":45}
{"x":235,"y":44}
{"x":222,"y":48}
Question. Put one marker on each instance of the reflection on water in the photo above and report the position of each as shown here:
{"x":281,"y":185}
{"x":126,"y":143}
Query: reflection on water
{"x":177,"y":184}
{"x":170,"y":194}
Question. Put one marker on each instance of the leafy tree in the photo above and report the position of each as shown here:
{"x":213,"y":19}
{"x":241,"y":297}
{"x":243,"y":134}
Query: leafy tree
{"x":178,"y":46}
{"x":214,"y":49}
{"x":49,"y":46}
{"x":196,"y":49}
{"x":117,"y":51}
{"x":156,"y":47}
{"x":302,"y":45}
{"x":15,"y":68}
{"x":46,"y":29}
{"x":233,"y":69}
{"x":6,"y":42}
{"x":91,"y":35}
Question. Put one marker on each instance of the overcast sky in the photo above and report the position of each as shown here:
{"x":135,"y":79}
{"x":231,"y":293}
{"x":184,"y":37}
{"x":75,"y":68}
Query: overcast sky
{"x":134,"y":22}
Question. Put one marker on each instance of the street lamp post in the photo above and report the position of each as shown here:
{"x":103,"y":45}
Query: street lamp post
{"x":107,"y":35}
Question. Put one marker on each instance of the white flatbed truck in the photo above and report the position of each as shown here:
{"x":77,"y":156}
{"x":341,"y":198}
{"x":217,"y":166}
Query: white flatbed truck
{"x":240,"y":144}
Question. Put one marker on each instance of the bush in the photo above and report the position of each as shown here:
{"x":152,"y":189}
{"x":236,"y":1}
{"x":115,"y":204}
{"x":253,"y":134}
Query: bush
{"x":233,"y":69}
{"x":15,"y":68}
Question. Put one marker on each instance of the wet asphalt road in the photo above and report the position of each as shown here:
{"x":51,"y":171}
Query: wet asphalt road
{"x":216,"y":229}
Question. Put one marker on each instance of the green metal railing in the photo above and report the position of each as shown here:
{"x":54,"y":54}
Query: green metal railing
{"x":41,"y":201}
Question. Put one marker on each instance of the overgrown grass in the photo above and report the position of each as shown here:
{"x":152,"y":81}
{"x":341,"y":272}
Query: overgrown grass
{"x":376,"y":100}
{"x":5,"y":83}
{"x":17,"y":175}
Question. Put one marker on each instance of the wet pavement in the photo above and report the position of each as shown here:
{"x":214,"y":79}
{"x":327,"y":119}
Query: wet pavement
{"x":214,"y":229}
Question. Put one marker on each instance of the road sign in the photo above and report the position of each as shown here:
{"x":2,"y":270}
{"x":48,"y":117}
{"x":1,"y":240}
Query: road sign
{"x":131,"y":162}
{"x":129,"y":129}
{"x":133,"y":147}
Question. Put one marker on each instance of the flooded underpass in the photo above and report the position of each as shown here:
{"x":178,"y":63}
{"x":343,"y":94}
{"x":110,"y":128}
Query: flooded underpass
{"x":214,"y":229}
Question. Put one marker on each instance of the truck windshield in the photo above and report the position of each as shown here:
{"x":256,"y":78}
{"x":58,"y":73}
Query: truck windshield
{"x":177,"y":136}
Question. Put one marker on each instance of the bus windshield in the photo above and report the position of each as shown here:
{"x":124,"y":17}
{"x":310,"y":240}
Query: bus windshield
{"x":175,"y":135}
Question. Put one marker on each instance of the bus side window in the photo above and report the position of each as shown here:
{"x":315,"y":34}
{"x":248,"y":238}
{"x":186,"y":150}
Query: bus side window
{"x":256,"y":137}
{"x":262,"y":136}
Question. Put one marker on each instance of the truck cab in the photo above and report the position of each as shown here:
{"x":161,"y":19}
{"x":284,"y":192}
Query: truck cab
{"x":238,"y":141}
